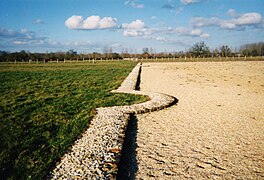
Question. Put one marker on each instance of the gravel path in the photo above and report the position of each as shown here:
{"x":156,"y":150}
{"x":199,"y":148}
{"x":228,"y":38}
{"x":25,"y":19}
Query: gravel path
{"x":216,"y":130}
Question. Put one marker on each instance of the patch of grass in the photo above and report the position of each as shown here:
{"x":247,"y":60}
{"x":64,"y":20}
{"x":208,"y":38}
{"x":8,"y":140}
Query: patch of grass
{"x":44,"y":108}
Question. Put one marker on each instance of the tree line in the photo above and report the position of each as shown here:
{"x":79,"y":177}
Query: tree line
{"x":199,"y":49}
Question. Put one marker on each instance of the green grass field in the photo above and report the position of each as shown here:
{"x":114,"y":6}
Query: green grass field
{"x":45,"y":107}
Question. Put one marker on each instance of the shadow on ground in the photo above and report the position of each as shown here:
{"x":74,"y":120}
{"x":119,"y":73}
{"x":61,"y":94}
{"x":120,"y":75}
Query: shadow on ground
{"x":128,"y":163}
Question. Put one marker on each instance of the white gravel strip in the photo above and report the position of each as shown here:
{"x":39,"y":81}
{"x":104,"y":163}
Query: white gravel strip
{"x":96,"y":154}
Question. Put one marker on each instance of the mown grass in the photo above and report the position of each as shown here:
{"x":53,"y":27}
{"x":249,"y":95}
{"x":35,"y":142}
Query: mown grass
{"x":44,"y":108}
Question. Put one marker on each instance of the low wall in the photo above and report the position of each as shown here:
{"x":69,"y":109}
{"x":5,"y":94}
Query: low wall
{"x":96,"y":154}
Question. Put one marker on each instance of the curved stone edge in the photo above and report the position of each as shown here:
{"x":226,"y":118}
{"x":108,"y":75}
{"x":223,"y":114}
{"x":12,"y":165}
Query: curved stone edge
{"x":96,"y":154}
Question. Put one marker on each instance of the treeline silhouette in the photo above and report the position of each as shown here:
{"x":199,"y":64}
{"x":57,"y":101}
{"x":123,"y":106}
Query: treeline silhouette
{"x":199,"y":49}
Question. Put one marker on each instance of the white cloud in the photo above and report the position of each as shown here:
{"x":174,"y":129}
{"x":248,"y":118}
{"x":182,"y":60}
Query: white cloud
{"x":90,"y":23}
{"x":133,"y":33}
{"x":232,"y":13}
{"x":19,"y":42}
{"x":192,"y":32}
{"x":203,"y":22}
{"x":134,"y":4}
{"x":205,"y":35}
{"x":196,"y":32}
{"x":137,"y":24}
{"x":135,"y":28}
{"x":38,"y":21}
{"x":153,"y":17}
{"x":161,"y":39}
{"x":247,"y":19}
{"x":74,"y":22}
{"x":186,"y":2}
{"x":238,"y":22}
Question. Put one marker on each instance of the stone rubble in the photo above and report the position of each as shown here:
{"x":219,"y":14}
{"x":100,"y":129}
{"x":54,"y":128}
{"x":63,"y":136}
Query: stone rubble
{"x":96,"y":154}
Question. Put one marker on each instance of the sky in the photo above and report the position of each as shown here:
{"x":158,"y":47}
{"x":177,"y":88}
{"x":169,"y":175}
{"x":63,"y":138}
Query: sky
{"x":128,"y":25}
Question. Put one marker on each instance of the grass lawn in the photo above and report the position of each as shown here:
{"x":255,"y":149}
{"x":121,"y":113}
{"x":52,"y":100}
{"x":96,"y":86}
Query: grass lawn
{"x":45,"y":107}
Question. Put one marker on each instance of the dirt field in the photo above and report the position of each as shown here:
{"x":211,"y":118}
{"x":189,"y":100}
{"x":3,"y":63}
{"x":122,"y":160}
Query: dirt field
{"x":216,"y":130}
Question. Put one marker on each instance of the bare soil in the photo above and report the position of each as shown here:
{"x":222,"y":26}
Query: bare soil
{"x":216,"y":130}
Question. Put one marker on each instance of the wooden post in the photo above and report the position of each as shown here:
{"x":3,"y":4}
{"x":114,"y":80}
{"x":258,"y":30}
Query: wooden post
{"x":93,"y":61}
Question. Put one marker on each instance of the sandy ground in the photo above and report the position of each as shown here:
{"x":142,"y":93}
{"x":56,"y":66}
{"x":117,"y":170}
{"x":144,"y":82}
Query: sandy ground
{"x":216,"y":130}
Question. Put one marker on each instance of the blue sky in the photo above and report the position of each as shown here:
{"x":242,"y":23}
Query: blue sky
{"x":130,"y":25}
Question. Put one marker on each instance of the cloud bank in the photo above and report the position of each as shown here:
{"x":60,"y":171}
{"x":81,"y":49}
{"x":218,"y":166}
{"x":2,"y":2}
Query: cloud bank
{"x":237,"y":22}
{"x":20,"y":37}
{"x":90,"y":23}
